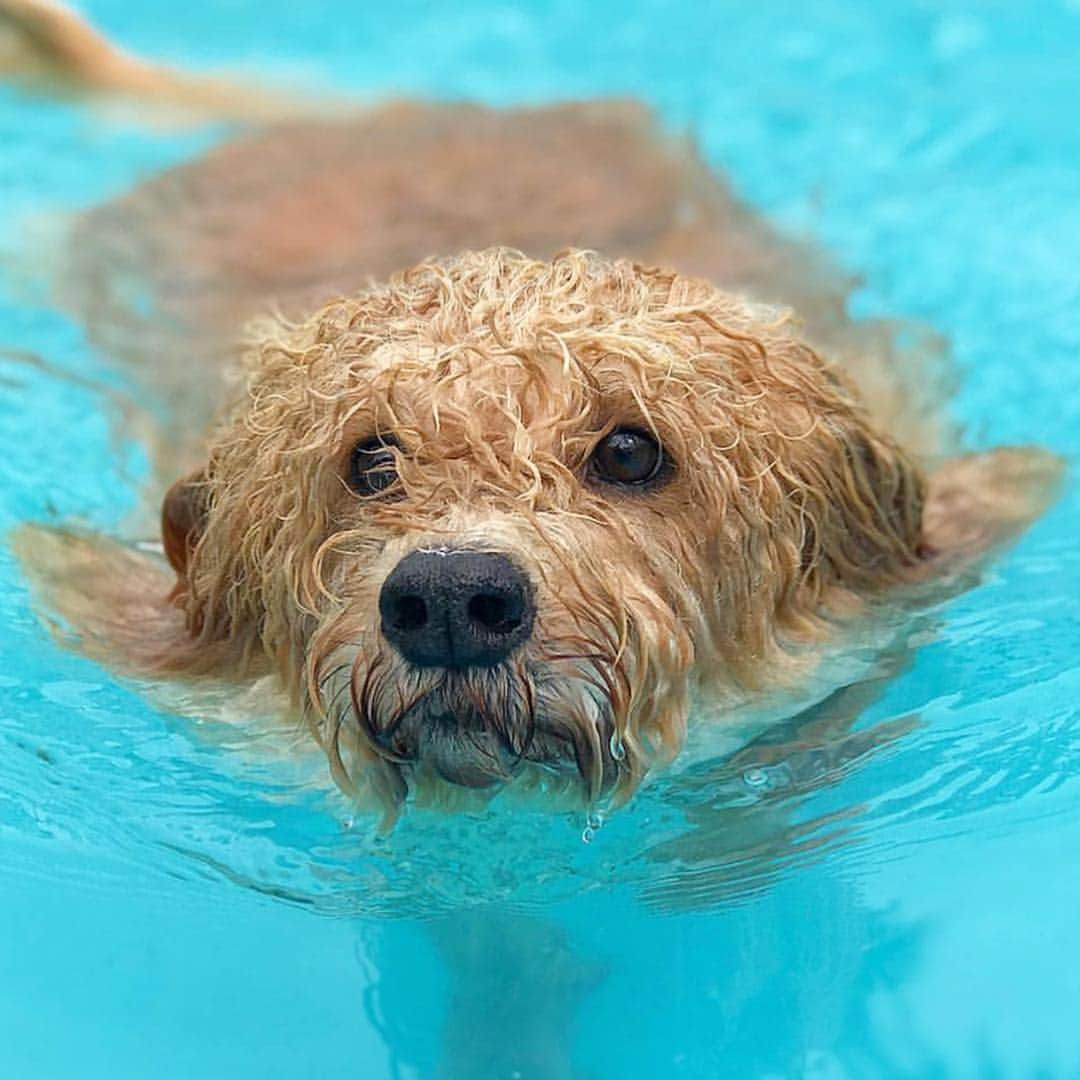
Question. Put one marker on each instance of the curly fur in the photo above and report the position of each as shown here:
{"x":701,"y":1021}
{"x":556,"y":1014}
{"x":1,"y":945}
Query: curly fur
{"x":498,"y":374}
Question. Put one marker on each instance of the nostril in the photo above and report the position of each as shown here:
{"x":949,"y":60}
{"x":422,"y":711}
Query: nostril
{"x":499,"y":614}
{"x":410,"y":613}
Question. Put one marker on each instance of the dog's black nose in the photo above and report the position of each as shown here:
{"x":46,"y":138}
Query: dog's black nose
{"x":455,"y":608}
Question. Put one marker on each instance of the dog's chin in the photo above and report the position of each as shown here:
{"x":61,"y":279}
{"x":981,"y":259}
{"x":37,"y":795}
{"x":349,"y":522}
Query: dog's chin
{"x":485,"y":732}
{"x":471,"y":750}
{"x":462,"y":752}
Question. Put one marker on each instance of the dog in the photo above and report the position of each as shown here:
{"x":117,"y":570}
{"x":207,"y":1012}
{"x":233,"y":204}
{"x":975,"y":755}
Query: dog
{"x":495,"y":519}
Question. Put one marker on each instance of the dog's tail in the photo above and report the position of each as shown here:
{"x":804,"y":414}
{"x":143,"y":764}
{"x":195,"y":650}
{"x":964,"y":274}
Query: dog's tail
{"x":47,"y":47}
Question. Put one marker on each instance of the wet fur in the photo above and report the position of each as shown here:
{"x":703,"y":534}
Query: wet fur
{"x":811,"y":474}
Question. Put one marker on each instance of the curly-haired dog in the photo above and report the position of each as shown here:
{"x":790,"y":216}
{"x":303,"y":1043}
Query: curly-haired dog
{"x":496,"y":520}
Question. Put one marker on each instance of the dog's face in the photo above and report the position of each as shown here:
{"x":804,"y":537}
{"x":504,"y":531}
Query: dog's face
{"x":494,"y":520}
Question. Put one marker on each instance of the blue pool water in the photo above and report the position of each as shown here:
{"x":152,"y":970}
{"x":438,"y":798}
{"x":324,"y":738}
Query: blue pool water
{"x":174,"y":902}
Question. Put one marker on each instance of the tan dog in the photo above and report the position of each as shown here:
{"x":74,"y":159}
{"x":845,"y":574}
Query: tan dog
{"x":497,"y":520}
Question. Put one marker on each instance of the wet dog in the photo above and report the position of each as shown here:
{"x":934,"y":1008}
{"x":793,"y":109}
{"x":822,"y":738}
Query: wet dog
{"x":496,"y":519}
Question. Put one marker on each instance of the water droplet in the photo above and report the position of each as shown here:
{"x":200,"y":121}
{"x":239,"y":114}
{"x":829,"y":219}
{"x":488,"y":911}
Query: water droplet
{"x":755,"y":778}
{"x":593,"y":823}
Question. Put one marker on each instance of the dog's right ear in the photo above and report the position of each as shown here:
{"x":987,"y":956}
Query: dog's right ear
{"x":183,"y":518}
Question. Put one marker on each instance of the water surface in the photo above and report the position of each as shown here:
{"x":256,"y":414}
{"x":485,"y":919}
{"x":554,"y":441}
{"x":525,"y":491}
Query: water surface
{"x":902,"y":902}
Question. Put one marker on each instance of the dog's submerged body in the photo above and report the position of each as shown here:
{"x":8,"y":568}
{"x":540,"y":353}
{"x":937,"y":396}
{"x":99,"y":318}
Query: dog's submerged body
{"x":493,"y":521}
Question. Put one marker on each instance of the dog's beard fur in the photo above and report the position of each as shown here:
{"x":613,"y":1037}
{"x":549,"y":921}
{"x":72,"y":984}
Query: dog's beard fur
{"x":557,"y":717}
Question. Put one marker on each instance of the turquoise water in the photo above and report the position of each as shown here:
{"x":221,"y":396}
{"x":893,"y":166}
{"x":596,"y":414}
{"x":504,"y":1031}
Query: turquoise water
{"x":176,"y":903}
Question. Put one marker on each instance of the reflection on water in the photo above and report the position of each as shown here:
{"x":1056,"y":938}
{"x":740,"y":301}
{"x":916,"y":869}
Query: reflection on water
{"x":561,"y":995}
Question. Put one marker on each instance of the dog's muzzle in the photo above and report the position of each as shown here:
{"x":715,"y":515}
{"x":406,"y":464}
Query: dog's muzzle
{"x":463,"y":706}
{"x":454,"y":608}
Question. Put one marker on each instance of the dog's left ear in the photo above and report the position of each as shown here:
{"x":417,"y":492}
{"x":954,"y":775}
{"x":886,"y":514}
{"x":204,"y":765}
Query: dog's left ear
{"x":975,"y":503}
{"x":183,"y":518}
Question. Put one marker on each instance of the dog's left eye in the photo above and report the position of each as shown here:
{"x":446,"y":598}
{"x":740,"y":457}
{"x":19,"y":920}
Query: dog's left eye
{"x":627,"y":456}
{"x":373,"y":465}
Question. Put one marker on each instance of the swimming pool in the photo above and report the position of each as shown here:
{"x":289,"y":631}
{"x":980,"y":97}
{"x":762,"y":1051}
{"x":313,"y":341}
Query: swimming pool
{"x":176,"y":904}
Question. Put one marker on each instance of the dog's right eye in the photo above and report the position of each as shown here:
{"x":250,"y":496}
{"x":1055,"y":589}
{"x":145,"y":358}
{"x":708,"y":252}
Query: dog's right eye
{"x":373,"y":465}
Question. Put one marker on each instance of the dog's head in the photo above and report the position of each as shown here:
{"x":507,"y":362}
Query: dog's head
{"x":496,"y":518}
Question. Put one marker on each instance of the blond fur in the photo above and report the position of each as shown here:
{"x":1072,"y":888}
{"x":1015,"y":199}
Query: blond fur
{"x":498,"y":374}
